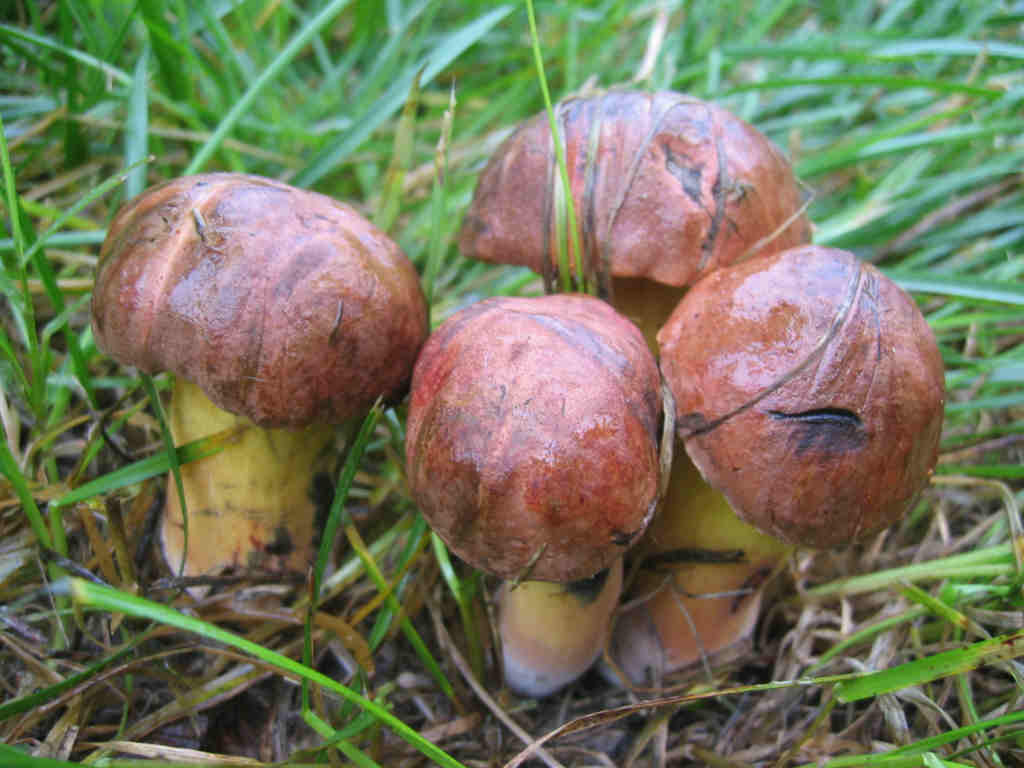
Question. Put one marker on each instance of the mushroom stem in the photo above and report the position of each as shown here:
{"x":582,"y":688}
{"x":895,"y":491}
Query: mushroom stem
{"x":647,"y":303}
{"x":255,"y":504}
{"x":697,"y":592}
{"x":551,"y":633}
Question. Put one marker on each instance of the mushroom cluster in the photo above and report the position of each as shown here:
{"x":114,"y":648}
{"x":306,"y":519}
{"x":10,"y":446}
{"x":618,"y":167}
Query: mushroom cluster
{"x":808,"y":387}
{"x":803,"y":390}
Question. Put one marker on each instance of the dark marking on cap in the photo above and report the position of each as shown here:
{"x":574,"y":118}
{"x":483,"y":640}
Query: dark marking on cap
{"x":688,"y":176}
{"x":835,"y":430}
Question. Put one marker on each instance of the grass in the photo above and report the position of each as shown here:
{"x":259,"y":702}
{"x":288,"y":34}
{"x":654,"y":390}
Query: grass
{"x":903,"y":118}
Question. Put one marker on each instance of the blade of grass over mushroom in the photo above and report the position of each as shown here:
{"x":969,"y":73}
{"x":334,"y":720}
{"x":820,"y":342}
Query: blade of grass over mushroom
{"x":565,"y":217}
{"x":151,"y":466}
{"x":172,"y":458}
{"x":102,"y":598}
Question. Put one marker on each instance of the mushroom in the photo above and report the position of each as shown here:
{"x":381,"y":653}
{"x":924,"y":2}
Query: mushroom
{"x":275,"y":308}
{"x":809,"y":391}
{"x":531,"y":449}
{"x":666,"y":188}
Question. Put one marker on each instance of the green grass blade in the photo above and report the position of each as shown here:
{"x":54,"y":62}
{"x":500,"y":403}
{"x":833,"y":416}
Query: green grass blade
{"x":170,"y":52}
{"x":108,"y":70}
{"x":267,"y":76}
{"x":136,"y":134}
{"x":9,"y":468}
{"x":19,"y":297}
{"x":438,"y":203}
{"x":445,"y":52}
{"x":463,"y":599}
{"x":410,"y":632}
{"x":888,"y":82}
{"x":330,"y":532}
{"x":567,"y":217}
{"x":149,"y":467}
{"x":26,"y":703}
{"x":15,"y":758}
{"x":173,"y":462}
{"x":960,"y":286}
{"x":96,"y":597}
{"x":929,"y":668}
{"x":997,"y":560}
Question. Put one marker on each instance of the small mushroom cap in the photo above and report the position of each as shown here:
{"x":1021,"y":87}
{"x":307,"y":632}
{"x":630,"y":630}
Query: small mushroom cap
{"x":666,"y":187}
{"x":283,"y":305}
{"x":809,"y":390}
{"x":531,"y":437}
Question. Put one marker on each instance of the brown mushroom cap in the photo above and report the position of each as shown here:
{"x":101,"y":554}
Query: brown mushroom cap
{"x":809,"y":390}
{"x":283,"y":305}
{"x":531,"y":438}
{"x":666,"y":187}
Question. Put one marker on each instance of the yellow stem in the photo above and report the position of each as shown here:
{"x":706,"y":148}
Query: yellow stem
{"x":254,"y":505}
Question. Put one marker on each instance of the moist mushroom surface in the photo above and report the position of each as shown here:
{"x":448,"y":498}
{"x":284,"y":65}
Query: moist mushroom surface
{"x":275,"y":307}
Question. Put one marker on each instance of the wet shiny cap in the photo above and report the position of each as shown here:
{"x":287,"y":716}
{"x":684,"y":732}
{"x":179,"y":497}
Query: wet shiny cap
{"x":283,"y":305}
{"x":809,"y":391}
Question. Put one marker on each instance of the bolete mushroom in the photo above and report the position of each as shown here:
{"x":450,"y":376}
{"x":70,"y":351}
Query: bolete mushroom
{"x":666,"y":188}
{"x":531,"y":449}
{"x":809,"y":391}
{"x":274,"y":307}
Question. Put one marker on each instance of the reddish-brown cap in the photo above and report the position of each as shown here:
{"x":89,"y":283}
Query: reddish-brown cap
{"x":665,"y":187}
{"x":531,"y":438}
{"x":283,"y":305}
{"x":809,"y":390}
